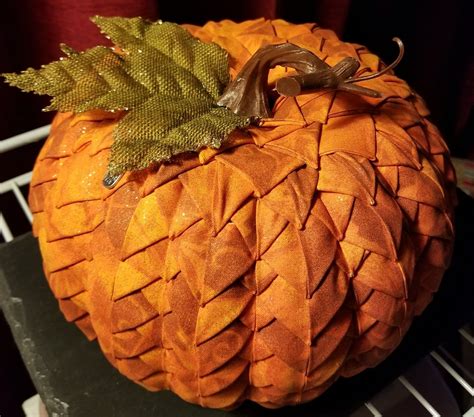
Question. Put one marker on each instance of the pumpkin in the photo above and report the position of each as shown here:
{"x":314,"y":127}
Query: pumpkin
{"x":297,"y":253}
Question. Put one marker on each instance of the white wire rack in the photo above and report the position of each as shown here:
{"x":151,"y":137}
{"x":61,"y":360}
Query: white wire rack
{"x":422,"y":391}
{"x":13,"y":184}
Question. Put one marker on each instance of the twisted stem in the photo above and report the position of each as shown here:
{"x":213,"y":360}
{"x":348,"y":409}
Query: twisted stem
{"x":247,"y":94}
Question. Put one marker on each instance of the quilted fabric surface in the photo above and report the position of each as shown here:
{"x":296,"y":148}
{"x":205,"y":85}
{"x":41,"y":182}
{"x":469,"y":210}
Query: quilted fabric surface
{"x":297,"y":253}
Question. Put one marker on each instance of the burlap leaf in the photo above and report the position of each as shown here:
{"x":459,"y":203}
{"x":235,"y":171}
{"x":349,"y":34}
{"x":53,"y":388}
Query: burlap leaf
{"x":169,"y":119}
{"x":166,"y":79}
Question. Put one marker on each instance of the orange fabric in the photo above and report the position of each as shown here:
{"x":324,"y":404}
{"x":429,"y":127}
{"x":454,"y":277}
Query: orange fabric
{"x":297,"y":253}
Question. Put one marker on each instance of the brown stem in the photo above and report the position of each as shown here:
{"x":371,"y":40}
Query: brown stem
{"x":346,"y":68}
{"x":247,"y":94}
{"x":358,"y":89}
{"x":325,"y":78}
{"x":401,"y":52}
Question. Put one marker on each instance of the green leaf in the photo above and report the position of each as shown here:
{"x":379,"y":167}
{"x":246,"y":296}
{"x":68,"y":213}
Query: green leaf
{"x":167,"y":80}
{"x":163,"y":43}
{"x":185,"y":125}
{"x":94,"y":79}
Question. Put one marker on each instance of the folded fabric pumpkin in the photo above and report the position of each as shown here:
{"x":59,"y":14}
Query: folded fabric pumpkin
{"x":258,"y":255}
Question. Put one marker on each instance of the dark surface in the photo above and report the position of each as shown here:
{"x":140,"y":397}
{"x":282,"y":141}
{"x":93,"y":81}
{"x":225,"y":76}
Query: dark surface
{"x":19,"y":386}
{"x":74,"y":378}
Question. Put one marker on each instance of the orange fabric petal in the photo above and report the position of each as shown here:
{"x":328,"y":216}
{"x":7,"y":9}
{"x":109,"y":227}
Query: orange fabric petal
{"x":314,"y":242}
{"x":294,"y":352}
{"x":293,"y":197}
{"x":82,"y":183}
{"x":377,"y":228}
{"x":353,"y":255}
{"x":328,"y":340}
{"x":264,"y":276}
{"x":315,"y":107}
{"x":152,"y":218}
{"x":302,"y":144}
{"x":228,"y":195}
{"x":222,"y":348}
{"x":129,"y":279}
{"x":289,"y":306}
{"x":420,"y":186}
{"x":168,"y":172}
{"x":385,"y":308}
{"x":264,"y":168}
{"x":287,"y":108}
{"x":231,"y":396}
{"x":48,"y":172}
{"x":346,"y":104}
{"x":382,"y":274}
{"x":327,"y":300}
{"x":433,"y":222}
{"x":220,"y":312}
{"x":219,"y":275}
{"x":134,"y":367}
{"x":85,"y":325}
{"x":150,"y":261}
{"x":286,"y":30}
{"x":339,"y":207}
{"x":74,"y":219}
{"x":269,"y":226}
{"x":221,"y":379}
{"x":119,"y":211}
{"x":70,"y":281}
{"x":310,"y":41}
{"x":327,"y":371}
{"x":245,"y":221}
{"x":335,"y":136}
{"x":61,"y":139}
{"x":347,"y":174}
{"x":154,"y":358}
{"x":274,"y":372}
{"x":61,"y":253}
{"x":130,"y":343}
